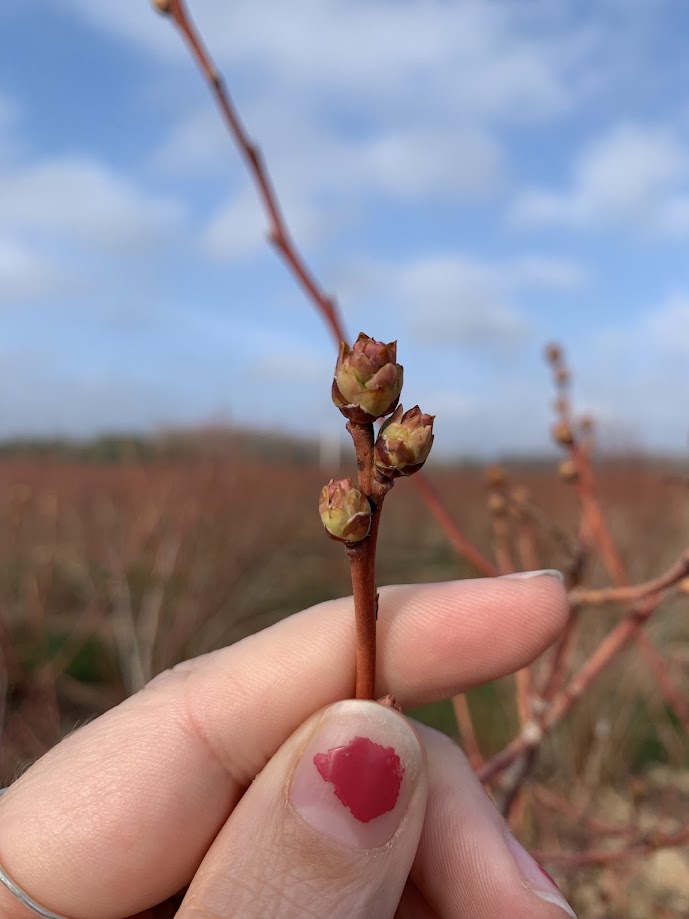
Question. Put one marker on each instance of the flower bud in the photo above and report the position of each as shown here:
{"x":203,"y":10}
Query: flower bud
{"x":367,"y":381}
{"x":404,"y":442}
{"x":562,"y":434}
{"x":519,"y":503}
{"x":497,"y":504}
{"x":345,"y":512}
{"x":553,"y":353}
{"x":568,"y":471}
{"x":495,"y":477}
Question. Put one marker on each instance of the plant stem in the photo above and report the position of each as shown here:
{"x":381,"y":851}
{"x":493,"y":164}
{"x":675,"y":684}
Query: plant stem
{"x":362,"y":559}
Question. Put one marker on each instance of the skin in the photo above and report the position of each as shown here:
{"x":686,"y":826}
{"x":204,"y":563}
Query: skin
{"x":185,"y":786}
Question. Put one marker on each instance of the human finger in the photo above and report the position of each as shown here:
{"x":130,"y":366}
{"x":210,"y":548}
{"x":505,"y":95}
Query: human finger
{"x":330,"y":827}
{"x":120,"y":814}
{"x":469,"y":865}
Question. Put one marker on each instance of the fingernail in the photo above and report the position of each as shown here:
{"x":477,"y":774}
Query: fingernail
{"x":357,"y":773}
{"x":544,"y":572}
{"x":537,"y":878}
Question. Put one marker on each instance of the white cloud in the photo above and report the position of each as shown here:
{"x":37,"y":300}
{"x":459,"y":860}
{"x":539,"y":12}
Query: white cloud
{"x":538,"y":271}
{"x":428,"y":163}
{"x":292,"y":364}
{"x":426,"y":86}
{"x":659,"y":334}
{"x":458,"y":301}
{"x":25,"y":276}
{"x":632,"y":176}
{"x":83,"y":200}
{"x":454,"y":299}
{"x":237,"y":229}
{"x":47,"y":398}
{"x":633,"y":378}
{"x":506,"y":416}
{"x":413,"y":114}
{"x":667,"y":327}
{"x":319,"y":172}
{"x":339,"y":176}
{"x":199,"y":141}
{"x":494,"y":59}
{"x":134,"y":22}
{"x":240,"y":228}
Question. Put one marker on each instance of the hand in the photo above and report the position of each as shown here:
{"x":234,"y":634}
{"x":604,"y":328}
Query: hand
{"x":223,"y":776}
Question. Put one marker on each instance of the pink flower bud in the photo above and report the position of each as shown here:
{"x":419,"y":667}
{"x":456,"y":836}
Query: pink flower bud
{"x":404,"y":442}
{"x":367,"y":381}
{"x":345,"y":512}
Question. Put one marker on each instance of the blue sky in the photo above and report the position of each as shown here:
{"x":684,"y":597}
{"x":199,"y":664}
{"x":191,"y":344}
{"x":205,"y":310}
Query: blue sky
{"x":474,"y":178}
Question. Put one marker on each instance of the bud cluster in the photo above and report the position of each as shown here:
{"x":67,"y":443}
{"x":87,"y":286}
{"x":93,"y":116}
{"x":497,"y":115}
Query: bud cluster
{"x":366,"y":386}
{"x":555,"y":357}
{"x":566,"y":433}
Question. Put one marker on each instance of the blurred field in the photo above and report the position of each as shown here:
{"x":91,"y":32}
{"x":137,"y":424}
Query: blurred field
{"x":112,"y":570}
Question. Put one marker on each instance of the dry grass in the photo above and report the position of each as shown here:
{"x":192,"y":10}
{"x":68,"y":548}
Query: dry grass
{"x":111,"y":572}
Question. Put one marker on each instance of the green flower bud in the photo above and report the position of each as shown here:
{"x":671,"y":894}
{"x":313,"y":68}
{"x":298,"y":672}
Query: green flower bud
{"x":367,"y":381}
{"x":404,"y":442}
{"x":345,"y":512}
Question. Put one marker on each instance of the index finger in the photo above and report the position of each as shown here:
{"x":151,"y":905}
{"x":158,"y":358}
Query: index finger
{"x":119,"y":815}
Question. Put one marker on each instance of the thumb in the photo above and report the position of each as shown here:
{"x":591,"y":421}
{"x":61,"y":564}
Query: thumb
{"x":330,"y":827}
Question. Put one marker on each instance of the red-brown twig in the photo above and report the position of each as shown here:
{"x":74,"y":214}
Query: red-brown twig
{"x":467,"y":732}
{"x":532,"y":733}
{"x":527,"y":541}
{"x":362,"y":558}
{"x":537,"y":518}
{"x":611,"y":558}
{"x":561,"y":657}
{"x":457,"y":539}
{"x":528,"y":556}
{"x":280,"y":236}
{"x":658,"y":667}
{"x":501,"y":541}
{"x":648,"y":843}
{"x":594,"y":530}
{"x":504,"y":558}
{"x":278,"y":232}
{"x":561,"y":805}
{"x":593,"y":515}
{"x":581,"y":596}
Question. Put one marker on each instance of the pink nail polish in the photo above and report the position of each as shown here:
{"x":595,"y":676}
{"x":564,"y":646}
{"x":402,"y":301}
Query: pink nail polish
{"x":355,"y":777}
{"x":365,"y":776}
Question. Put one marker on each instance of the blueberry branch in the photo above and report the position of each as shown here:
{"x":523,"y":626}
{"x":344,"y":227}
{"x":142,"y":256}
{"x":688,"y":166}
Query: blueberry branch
{"x":366,"y":386}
